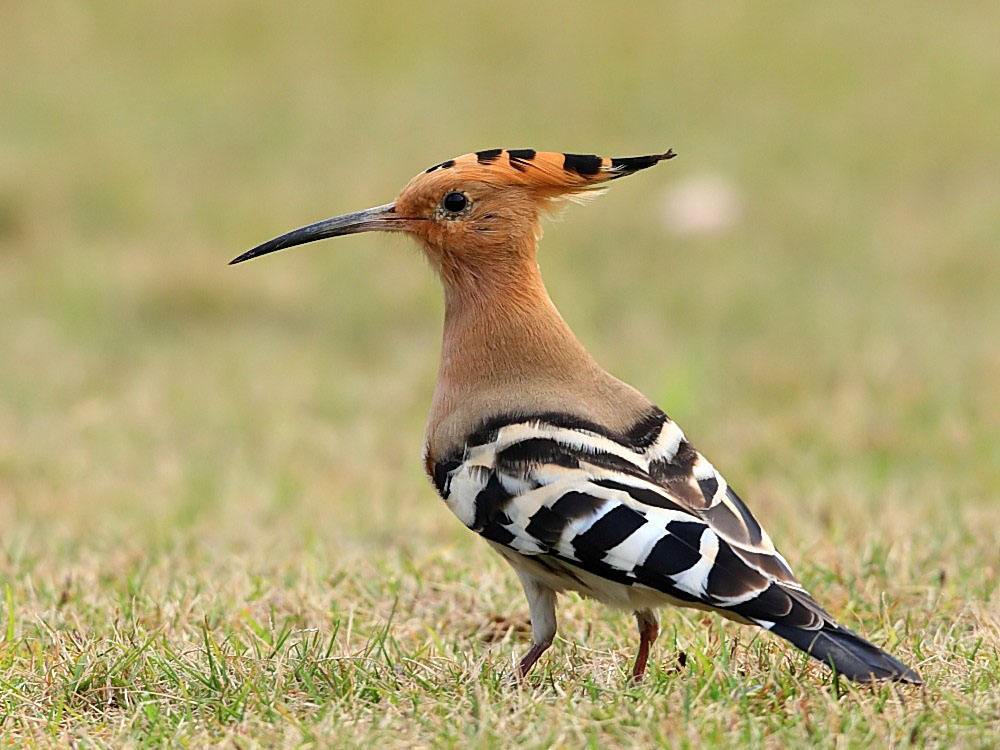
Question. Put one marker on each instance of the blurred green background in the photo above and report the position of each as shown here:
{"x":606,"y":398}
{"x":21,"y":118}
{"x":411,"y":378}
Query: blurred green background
{"x":829,"y":339}
{"x":851,"y":309}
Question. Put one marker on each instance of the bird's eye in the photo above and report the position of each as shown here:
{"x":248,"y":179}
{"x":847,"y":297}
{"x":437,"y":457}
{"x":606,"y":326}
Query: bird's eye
{"x":455,"y":202}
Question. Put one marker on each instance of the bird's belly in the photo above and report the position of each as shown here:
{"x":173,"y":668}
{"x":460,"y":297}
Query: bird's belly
{"x":561,"y":576}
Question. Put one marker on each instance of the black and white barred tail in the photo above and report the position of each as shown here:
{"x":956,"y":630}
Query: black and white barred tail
{"x":638,"y":520}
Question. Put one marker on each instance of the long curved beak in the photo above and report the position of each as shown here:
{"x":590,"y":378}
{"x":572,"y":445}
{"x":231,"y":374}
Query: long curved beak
{"x":382,"y":218}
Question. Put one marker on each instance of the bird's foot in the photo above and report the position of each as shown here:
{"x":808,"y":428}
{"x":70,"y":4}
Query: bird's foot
{"x":529,"y":659}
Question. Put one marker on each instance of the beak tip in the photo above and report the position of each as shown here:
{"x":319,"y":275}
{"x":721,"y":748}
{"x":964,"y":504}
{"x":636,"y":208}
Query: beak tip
{"x":360,"y":221}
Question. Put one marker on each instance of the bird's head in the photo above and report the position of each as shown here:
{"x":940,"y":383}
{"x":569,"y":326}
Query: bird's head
{"x":475,"y":209}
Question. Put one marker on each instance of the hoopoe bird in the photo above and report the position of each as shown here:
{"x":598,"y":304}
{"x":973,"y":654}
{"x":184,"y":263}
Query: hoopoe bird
{"x":578,"y":480}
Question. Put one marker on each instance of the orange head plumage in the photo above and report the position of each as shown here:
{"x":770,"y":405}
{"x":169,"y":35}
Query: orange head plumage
{"x":476,"y":208}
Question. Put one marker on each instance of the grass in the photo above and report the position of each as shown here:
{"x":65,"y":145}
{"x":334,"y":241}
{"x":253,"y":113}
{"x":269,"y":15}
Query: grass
{"x":214,"y":529}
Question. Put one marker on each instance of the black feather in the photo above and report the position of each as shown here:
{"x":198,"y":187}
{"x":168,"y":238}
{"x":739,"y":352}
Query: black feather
{"x":849,"y":654}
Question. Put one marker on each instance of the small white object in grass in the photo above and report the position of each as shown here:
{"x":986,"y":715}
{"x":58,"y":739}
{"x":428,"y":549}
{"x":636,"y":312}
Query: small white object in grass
{"x":702,"y":205}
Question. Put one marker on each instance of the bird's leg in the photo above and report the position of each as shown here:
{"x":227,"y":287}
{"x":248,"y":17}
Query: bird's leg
{"x":649,"y":629}
{"x":542,"y":606}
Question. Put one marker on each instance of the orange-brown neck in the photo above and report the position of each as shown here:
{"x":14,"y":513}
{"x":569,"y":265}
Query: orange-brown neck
{"x":506,"y":349}
{"x":502,"y":327}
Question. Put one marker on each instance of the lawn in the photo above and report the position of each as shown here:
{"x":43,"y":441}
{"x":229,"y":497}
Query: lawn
{"x":214,"y":525}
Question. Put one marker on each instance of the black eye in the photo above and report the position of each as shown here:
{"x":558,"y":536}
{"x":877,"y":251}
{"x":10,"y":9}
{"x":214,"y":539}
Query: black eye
{"x":455,"y":202}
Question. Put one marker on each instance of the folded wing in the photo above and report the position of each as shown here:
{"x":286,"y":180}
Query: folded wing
{"x":643,"y":511}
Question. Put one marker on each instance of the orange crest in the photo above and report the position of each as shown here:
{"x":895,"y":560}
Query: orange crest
{"x":551,"y":173}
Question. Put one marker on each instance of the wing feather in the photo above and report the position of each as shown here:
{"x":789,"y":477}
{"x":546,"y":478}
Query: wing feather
{"x":648,"y":512}
{"x":660,"y":516}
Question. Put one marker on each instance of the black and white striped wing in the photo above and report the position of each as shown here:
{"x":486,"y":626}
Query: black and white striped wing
{"x":622,"y":510}
{"x":641,"y":512}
